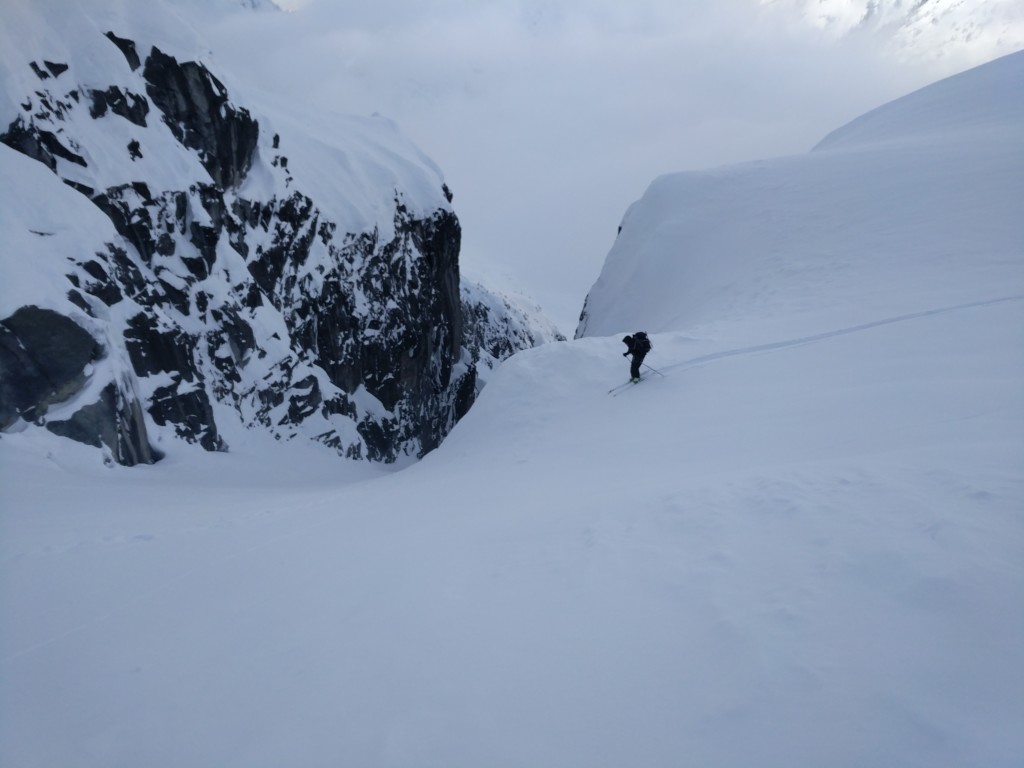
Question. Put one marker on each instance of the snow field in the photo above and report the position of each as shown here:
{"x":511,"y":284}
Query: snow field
{"x":801,"y":555}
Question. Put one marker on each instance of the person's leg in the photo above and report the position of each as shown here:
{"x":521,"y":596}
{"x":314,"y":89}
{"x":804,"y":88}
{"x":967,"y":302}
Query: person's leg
{"x":637,"y":361}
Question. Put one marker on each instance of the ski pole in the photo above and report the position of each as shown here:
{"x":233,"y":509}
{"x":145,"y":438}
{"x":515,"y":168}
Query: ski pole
{"x":655,"y":370}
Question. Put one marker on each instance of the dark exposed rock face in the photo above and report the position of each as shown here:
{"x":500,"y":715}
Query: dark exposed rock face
{"x":219,"y":304}
{"x":43,"y":358}
{"x":130,"y":106}
{"x":127,"y":47}
{"x":195,"y":107}
{"x":404,"y":355}
{"x":115,"y":422}
{"x":39,"y":144}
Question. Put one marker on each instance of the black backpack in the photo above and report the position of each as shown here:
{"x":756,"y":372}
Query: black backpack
{"x":641,"y":344}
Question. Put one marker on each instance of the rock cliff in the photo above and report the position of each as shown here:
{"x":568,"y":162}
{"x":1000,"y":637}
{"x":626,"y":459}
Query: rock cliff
{"x":227,"y":287}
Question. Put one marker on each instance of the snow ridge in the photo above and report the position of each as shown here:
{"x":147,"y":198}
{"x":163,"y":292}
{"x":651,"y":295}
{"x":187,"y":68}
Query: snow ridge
{"x":880,"y":220}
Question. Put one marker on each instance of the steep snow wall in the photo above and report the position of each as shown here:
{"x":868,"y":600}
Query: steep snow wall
{"x":890,"y":202}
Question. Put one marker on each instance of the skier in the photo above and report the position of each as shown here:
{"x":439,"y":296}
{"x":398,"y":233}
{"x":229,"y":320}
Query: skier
{"x":638,"y":345}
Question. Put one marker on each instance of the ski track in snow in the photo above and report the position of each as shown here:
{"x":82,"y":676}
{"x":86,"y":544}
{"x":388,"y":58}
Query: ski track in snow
{"x":801,"y":341}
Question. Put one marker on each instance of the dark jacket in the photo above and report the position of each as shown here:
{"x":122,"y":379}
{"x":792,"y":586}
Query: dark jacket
{"x":636,"y":346}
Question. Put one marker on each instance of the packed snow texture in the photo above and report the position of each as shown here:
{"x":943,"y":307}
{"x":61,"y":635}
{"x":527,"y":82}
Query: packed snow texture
{"x":800,"y":545}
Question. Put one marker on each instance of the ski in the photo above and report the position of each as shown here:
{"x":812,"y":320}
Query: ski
{"x":623,"y":387}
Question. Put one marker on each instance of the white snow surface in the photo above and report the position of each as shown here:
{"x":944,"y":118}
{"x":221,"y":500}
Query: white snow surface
{"x":38,"y":221}
{"x":802,"y":544}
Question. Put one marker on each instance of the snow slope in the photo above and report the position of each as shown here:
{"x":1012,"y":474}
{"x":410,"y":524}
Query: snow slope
{"x":801,"y":546}
{"x":912,"y":207}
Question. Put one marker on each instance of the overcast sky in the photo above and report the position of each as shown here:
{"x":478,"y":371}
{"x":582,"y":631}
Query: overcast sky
{"x":549,"y":118}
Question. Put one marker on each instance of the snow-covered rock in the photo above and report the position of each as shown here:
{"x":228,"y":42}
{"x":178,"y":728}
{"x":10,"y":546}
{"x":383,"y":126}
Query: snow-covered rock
{"x":927,"y":29}
{"x":224,"y":261}
{"x":497,"y":325}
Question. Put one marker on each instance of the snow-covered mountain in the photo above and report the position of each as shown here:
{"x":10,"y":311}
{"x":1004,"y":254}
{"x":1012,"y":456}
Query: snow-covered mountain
{"x":929,"y":29}
{"x":185,"y":261}
{"x":800,"y":545}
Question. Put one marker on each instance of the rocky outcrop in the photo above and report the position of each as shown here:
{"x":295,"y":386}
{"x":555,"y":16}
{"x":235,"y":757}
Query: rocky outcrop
{"x":496,"y":326}
{"x":195,"y":106}
{"x":263,"y":308}
{"x":43,"y":360}
{"x":229,"y":292}
{"x":114,"y":422}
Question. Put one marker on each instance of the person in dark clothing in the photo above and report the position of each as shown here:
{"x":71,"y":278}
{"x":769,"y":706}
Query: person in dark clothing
{"x":637,"y":345}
